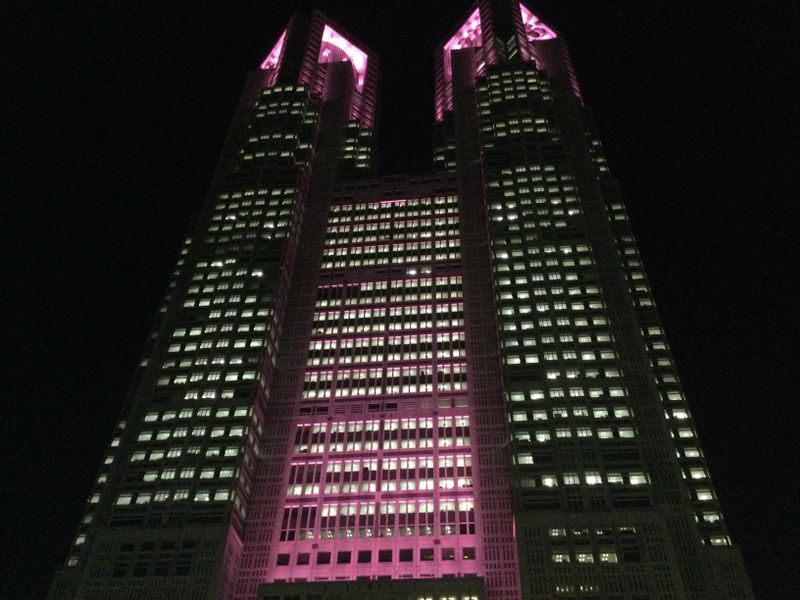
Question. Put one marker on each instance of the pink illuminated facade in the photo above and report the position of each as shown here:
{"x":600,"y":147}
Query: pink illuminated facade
{"x":273,"y":59}
{"x":535,"y":30}
{"x":336,"y":47}
{"x":380,"y":479}
{"x":454,"y":386}
{"x":468,"y":35}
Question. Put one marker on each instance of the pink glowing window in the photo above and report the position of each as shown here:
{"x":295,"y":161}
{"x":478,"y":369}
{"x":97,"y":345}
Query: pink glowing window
{"x":468,"y":36}
{"x":274,"y":56}
{"x":334,"y":45}
{"x":535,"y":30}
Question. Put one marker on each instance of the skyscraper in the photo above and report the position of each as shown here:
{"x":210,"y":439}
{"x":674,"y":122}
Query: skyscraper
{"x":454,"y":385}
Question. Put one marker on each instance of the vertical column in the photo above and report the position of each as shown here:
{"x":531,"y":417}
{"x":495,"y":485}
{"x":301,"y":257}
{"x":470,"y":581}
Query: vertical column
{"x":283,"y":404}
{"x":483,"y":346}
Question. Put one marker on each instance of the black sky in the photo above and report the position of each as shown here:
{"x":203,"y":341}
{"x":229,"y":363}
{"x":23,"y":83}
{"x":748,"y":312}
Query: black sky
{"x":116,"y":112}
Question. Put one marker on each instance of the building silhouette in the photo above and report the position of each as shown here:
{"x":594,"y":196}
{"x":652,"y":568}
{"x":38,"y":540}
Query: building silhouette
{"x":447,"y":386}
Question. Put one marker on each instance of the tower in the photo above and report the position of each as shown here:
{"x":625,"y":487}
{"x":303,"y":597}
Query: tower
{"x":169,"y":509}
{"x":439,"y":386}
{"x":607,"y":467}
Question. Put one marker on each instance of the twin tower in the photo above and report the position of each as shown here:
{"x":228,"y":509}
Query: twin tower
{"x":452,"y":386}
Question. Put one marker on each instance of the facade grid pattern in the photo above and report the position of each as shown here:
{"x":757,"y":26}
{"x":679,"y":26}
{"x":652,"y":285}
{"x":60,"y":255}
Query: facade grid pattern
{"x":453,"y":386}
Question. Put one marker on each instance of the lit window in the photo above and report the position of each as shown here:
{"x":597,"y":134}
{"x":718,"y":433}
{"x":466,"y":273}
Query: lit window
{"x":593,"y":478}
{"x":637,"y":479}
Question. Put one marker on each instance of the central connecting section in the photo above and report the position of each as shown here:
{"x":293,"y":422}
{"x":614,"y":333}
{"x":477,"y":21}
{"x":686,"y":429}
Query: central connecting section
{"x":380,"y":477}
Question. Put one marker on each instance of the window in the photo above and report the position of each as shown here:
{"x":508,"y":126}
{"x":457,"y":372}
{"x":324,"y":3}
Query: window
{"x":698,"y":473}
{"x":549,"y":481}
{"x":364,"y":556}
{"x":593,"y":478}
{"x":426,"y":554}
{"x":384,"y":556}
{"x":406,"y":555}
{"x":638,"y":479}
{"x":283,"y":560}
{"x":324,"y":558}
{"x":608,"y":555}
{"x":343,"y":558}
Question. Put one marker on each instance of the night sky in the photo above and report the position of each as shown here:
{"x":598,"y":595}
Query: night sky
{"x":116,"y":112}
